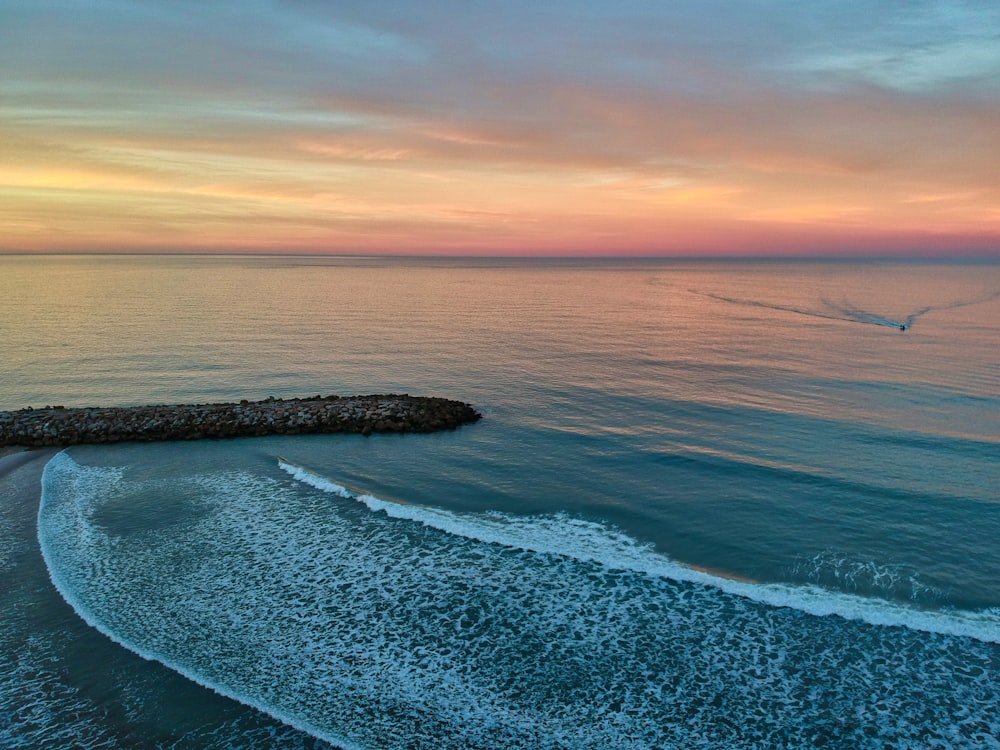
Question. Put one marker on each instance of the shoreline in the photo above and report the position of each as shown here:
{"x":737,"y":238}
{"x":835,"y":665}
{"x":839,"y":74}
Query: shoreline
{"x":13,"y":457}
{"x":55,"y":426}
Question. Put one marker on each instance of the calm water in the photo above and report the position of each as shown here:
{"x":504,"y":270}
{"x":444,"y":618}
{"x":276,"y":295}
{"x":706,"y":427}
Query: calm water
{"x":711,"y":505}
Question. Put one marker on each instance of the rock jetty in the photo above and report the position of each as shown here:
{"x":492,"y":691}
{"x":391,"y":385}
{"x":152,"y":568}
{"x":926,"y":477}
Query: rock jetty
{"x":59,"y":426}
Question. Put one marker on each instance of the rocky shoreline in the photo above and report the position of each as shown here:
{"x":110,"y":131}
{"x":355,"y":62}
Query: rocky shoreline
{"x":59,"y":426}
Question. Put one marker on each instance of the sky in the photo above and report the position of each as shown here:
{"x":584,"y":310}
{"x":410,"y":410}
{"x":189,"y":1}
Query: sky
{"x":524,"y":127}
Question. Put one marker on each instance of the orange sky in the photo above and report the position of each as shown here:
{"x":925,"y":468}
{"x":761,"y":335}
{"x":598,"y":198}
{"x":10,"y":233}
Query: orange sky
{"x":731,"y":127}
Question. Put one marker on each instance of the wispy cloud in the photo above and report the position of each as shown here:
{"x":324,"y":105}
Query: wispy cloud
{"x":715,"y":126}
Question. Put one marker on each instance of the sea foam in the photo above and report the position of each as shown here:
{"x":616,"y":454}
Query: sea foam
{"x":421,"y":628}
{"x":588,"y":541}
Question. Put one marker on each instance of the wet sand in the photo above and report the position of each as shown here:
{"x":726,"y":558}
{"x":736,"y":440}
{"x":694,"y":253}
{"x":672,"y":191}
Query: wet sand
{"x":26,"y":482}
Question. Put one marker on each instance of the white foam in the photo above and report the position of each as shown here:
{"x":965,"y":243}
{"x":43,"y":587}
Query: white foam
{"x":592,"y":542}
{"x":62,"y":467}
{"x":414,"y":633}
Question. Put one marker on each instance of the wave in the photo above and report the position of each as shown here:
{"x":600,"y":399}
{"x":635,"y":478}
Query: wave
{"x":371,"y":623}
{"x":53,"y":528}
{"x":587,"y":541}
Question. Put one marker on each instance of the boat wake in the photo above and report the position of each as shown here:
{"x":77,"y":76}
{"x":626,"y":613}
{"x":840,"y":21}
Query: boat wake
{"x":847,"y":312}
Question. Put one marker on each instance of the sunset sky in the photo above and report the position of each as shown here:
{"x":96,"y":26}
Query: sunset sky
{"x":577,"y":127}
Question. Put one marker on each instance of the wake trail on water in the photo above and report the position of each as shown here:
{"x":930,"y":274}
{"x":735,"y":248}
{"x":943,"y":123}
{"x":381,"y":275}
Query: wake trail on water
{"x":850,"y":313}
{"x":590,"y":542}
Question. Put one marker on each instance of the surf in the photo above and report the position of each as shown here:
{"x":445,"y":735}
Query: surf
{"x":374,"y":623}
{"x":592,"y":542}
{"x":53,"y":526}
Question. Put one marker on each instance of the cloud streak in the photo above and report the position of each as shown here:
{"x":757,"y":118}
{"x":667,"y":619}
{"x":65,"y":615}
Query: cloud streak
{"x":710,"y":127}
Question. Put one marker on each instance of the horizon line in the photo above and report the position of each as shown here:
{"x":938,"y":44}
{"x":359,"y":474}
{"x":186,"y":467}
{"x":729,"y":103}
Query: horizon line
{"x":993,"y":256}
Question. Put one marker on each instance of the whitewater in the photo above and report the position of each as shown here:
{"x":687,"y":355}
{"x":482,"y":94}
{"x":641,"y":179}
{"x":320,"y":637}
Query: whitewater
{"x":710,"y":504}
{"x":418,"y":626}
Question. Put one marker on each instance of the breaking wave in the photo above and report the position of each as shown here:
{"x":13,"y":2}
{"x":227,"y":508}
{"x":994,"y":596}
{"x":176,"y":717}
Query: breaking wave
{"x":587,"y":541}
{"x":374,"y":624}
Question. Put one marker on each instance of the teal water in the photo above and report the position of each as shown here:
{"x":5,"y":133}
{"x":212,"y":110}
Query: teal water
{"x":712,"y":504}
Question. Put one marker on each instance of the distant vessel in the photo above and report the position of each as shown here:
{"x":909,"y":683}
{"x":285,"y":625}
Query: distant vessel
{"x":902,"y":326}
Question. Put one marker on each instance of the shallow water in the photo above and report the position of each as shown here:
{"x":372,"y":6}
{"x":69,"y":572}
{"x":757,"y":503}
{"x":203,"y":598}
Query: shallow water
{"x":714,"y":504}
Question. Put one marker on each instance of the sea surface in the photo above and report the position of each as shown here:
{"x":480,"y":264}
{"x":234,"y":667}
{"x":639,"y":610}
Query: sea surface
{"x":712,"y":504}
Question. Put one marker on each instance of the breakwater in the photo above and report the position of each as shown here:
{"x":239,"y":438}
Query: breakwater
{"x":59,"y":426}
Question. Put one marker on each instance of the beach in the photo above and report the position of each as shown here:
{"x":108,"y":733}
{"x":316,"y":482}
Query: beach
{"x":21,"y":473}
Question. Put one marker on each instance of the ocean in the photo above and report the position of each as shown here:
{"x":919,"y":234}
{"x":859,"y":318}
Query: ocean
{"x":711,"y":504}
